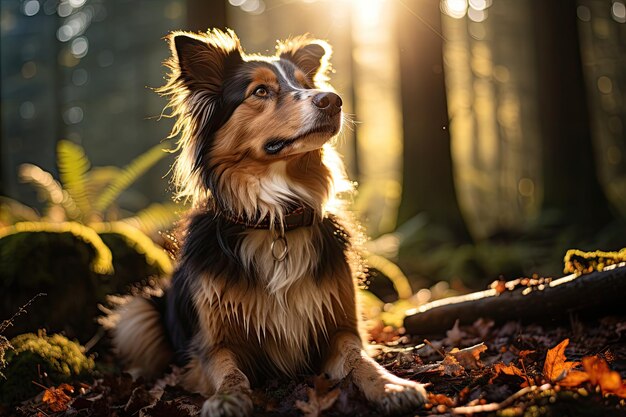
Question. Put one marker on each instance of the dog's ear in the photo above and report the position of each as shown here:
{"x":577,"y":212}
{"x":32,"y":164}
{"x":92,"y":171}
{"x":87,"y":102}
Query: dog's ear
{"x":310,"y":55}
{"x":202,"y":59}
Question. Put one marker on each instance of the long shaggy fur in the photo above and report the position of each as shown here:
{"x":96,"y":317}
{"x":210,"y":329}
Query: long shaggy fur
{"x":254,"y":147}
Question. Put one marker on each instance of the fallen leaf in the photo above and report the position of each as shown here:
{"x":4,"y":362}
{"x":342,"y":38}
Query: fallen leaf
{"x":556,"y":366}
{"x":451,"y":367}
{"x":319,"y":398}
{"x":57,"y":399}
{"x":500,"y":368}
{"x":574,"y":378}
{"x":610,"y":382}
{"x":469,"y":357}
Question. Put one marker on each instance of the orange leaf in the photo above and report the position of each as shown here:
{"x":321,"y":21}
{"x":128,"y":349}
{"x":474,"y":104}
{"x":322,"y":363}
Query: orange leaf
{"x":469,"y":357}
{"x":574,"y":379}
{"x":451,"y":367}
{"x":511,"y":369}
{"x":56,"y":398}
{"x":500,"y":368}
{"x":556,"y":367}
{"x":610,"y":382}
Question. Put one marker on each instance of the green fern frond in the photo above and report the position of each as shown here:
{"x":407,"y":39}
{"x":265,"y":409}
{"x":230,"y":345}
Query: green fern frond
{"x":129,"y":175}
{"x":100,"y":177}
{"x":12,"y":211}
{"x":155,"y":255}
{"x":103,"y":261}
{"x":73,"y":168}
{"x":154,"y":218}
{"x":393,"y":272}
{"x":51,"y":190}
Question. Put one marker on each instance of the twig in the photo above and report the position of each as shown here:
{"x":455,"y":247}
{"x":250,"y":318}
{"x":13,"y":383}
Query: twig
{"x":485,"y":408}
{"x":443,"y":354}
{"x":6,"y":323}
{"x":94,"y":340}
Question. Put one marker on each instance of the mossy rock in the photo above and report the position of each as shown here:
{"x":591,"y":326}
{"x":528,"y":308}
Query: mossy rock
{"x":48,"y":360}
{"x":57,"y":264}
{"x":76,"y":268}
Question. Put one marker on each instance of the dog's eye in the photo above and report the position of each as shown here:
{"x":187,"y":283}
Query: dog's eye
{"x":261,"y":91}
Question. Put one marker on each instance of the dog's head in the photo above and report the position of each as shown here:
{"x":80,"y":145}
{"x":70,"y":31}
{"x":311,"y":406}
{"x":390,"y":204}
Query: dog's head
{"x":246,"y":119}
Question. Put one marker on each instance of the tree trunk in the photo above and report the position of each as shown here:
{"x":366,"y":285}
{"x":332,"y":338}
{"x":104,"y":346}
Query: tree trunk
{"x":203,"y":14}
{"x":571,"y":189}
{"x":428,"y":183}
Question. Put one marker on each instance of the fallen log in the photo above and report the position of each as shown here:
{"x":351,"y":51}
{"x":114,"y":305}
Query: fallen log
{"x":542,"y":300}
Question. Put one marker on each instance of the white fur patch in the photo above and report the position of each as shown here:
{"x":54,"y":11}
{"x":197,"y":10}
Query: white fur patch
{"x":139,"y":338}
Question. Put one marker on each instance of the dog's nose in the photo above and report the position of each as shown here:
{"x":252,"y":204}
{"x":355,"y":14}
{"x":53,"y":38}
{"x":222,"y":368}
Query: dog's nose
{"x":329,"y":103}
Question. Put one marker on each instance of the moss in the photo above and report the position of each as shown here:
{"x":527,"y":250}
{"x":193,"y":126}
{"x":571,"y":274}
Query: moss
{"x":580,"y":262}
{"x":67,"y":262}
{"x":48,"y":360}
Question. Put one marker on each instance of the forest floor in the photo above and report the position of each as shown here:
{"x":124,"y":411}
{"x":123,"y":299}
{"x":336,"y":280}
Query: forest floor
{"x":564,"y":369}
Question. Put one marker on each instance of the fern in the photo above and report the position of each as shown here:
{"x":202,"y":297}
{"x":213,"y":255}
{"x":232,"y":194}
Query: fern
{"x":128,"y":175}
{"x":103,"y":261}
{"x":155,"y":255}
{"x":12,"y":211}
{"x":73,"y":168}
{"x":154,"y":218}
{"x":393,"y":272}
{"x":53,"y":192}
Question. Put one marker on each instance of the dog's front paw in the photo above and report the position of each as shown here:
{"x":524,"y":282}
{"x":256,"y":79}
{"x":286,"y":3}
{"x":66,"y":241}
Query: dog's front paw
{"x":228,"y":404}
{"x":394,"y":395}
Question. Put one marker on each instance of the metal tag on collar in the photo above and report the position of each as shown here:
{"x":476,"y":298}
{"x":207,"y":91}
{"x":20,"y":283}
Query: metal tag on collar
{"x":279,"y":247}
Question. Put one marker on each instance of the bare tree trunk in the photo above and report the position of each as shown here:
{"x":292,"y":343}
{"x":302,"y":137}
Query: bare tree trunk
{"x":572,"y":190}
{"x":428,"y":183}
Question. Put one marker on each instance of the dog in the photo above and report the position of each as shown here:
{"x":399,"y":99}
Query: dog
{"x":267,"y":272}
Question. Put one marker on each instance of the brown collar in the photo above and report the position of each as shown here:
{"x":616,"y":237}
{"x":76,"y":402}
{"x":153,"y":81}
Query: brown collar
{"x":302,"y":216}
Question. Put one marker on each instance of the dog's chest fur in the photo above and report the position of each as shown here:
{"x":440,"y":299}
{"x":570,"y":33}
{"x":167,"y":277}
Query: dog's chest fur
{"x":277,"y":321}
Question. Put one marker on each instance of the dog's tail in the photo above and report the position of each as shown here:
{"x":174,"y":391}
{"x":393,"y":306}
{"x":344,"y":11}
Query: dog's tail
{"x":139,"y":337}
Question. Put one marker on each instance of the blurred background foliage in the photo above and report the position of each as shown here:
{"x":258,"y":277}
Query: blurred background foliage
{"x":489,"y":137}
{"x":78,"y":251}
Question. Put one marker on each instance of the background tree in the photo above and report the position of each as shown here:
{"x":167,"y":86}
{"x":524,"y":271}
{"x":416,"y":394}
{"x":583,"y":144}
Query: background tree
{"x":428,"y":182}
{"x":572,"y":194}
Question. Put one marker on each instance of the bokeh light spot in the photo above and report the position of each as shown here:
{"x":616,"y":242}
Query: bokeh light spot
{"x":73,"y":115}
{"x":605,"y":85}
{"x":454,"y":8}
{"x":79,"y":47}
{"x":477,"y":15}
{"x":64,"y":9}
{"x":173,"y":11}
{"x":618,"y":10}
{"x":80,"y":77}
{"x":31,"y":7}
{"x":583,"y":13}
{"x":526,"y":187}
{"x":29,"y":69}
{"x":64,"y":33}
{"x":27,"y":110}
